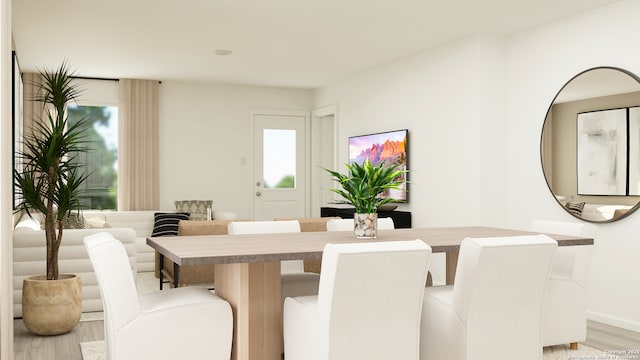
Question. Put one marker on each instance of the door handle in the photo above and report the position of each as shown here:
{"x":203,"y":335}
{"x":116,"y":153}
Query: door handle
{"x":258,"y":193}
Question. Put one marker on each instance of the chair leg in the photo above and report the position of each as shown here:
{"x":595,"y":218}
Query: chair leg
{"x":573,"y":346}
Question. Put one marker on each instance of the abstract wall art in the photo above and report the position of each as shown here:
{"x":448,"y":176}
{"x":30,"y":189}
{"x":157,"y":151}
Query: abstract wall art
{"x":602,"y":152}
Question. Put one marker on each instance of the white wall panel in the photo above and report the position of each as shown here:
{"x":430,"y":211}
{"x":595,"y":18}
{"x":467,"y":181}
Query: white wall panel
{"x":206,"y":144}
{"x":475,"y":111}
{"x":450,"y":99}
{"x":540,"y":61}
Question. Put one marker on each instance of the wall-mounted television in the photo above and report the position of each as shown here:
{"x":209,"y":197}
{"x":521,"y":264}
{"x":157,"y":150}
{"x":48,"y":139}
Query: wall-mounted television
{"x":390,"y":147}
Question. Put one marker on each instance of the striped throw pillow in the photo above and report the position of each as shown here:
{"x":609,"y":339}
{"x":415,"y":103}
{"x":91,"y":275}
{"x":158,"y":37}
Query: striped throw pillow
{"x":166,"y":224}
{"x":575,"y":208}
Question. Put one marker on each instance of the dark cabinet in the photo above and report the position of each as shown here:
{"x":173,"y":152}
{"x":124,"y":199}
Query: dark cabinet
{"x":401,"y":219}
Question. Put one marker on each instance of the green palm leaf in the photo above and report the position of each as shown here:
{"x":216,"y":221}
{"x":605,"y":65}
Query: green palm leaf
{"x":364,"y":183}
{"x":50,"y":182}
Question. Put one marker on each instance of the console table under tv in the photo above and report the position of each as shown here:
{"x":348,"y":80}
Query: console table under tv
{"x":401,"y":219}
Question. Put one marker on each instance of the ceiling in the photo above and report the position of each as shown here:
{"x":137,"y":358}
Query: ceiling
{"x":284,"y":43}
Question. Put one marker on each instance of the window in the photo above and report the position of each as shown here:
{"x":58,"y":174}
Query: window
{"x":100,"y":161}
{"x":279,"y":158}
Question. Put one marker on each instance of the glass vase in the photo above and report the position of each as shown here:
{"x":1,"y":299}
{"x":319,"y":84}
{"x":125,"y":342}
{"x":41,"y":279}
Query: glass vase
{"x":365,"y":226}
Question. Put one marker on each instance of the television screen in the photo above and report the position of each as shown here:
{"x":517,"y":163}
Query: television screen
{"x":388,"y":147}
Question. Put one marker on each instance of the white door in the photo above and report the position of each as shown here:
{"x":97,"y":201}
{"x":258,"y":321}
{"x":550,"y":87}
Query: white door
{"x":323,"y":144}
{"x":280,"y":180}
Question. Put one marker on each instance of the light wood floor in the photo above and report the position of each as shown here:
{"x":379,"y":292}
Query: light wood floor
{"x":33,"y":347}
{"x":67,"y":346}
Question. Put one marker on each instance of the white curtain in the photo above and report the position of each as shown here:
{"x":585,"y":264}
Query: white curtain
{"x":32,"y":110}
{"x":138,"y":164}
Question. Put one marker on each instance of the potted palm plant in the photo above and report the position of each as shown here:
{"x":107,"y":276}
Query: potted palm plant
{"x":361,"y":188}
{"x":50,"y":184}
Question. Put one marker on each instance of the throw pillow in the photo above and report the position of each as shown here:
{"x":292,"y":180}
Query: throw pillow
{"x":96,"y":223}
{"x":575,"y":208}
{"x":166,"y":224}
{"x":197,"y":208}
{"x":73,"y":220}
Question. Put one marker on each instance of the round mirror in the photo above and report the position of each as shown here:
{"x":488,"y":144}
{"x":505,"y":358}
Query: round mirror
{"x":590,"y":145}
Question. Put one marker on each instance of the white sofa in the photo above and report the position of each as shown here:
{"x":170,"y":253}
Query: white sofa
{"x":29,"y":251}
{"x":142,"y":223}
{"x":601,"y":212}
{"x":130,"y":227}
{"x":29,"y":258}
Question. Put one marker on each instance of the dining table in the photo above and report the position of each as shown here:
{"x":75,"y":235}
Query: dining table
{"x":247,"y":270}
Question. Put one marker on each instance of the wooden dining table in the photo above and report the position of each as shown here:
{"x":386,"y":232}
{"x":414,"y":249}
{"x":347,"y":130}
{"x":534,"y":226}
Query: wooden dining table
{"x":247,"y":270}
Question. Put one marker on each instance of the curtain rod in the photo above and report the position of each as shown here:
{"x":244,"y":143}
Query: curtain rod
{"x":99,"y":78}
{"x":93,"y":78}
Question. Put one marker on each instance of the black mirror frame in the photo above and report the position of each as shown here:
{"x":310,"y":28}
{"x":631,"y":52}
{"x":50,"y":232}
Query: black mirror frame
{"x":614,"y":219}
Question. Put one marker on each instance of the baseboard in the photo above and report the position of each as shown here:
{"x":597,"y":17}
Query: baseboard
{"x":613,"y":321}
{"x":607,"y":337}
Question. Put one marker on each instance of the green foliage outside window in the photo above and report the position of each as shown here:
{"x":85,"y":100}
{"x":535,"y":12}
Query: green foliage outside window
{"x":287,"y":182}
{"x":101,"y":158}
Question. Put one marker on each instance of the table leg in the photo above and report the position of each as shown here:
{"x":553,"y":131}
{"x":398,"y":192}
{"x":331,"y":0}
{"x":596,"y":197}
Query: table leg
{"x":176,"y":275}
{"x":254,"y":292}
{"x":451,"y":264}
{"x":160,"y":275}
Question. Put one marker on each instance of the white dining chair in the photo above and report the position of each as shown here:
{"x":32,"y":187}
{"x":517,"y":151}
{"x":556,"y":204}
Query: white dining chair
{"x":565,"y":321}
{"x":181,"y":323}
{"x":494,"y":309}
{"x":385,"y":223}
{"x":295,"y":281}
{"x":362,"y":310}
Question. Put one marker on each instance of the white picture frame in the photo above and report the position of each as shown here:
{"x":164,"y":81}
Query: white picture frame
{"x":602,"y":152}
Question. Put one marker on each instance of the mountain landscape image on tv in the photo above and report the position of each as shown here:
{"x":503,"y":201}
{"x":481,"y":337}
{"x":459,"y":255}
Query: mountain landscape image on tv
{"x":388,"y":147}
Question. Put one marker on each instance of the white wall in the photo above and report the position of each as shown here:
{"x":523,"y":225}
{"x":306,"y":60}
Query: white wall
{"x":98,"y":92}
{"x":441,"y":97}
{"x":539,"y":63}
{"x":206,"y":145}
{"x":6,"y":185}
{"x":475,"y":111}
{"x":450,"y":100}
